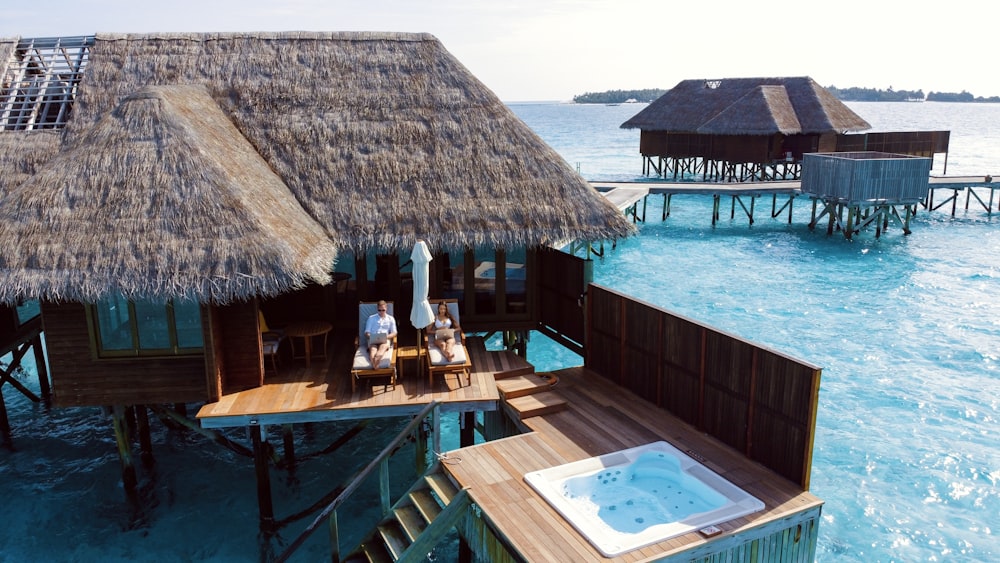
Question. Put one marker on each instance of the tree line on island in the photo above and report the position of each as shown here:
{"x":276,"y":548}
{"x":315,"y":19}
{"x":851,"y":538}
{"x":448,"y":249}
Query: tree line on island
{"x":852,"y":94}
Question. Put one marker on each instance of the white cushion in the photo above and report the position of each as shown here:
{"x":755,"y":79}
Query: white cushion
{"x":270,"y":347}
{"x":437,"y":358}
{"x":362,"y":361}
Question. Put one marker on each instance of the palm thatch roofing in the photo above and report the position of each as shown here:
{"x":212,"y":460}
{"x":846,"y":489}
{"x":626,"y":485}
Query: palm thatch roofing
{"x":175,"y":204}
{"x":384,"y":138}
{"x":748,"y":106}
{"x":22,"y":153}
{"x":380,"y":138}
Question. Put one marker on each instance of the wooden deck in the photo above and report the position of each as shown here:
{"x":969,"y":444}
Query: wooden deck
{"x":601,"y":417}
{"x":619,"y":190}
{"x":323,"y":391}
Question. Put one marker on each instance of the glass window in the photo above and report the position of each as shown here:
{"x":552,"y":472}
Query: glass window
{"x":146,"y":328}
{"x":114,"y":325}
{"x":187,"y":319}
{"x":27,"y":310}
{"x":516,"y":281}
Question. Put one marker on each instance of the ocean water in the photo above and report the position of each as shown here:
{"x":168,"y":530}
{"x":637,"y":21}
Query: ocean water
{"x":906,"y":328}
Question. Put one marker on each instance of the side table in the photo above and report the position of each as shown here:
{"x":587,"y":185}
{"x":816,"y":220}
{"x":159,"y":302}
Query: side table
{"x":405,"y":353}
{"x":306,"y":330}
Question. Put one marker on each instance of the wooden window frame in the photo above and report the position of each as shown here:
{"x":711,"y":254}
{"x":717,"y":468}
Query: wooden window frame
{"x":136,"y":351}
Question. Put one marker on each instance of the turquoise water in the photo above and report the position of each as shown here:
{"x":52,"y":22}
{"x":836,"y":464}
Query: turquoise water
{"x":906,"y":328}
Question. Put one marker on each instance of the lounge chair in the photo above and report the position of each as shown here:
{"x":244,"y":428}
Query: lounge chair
{"x":436,"y":362}
{"x":362,"y":367}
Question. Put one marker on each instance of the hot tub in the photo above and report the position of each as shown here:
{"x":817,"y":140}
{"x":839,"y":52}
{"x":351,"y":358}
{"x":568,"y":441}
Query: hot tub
{"x":632,"y":498}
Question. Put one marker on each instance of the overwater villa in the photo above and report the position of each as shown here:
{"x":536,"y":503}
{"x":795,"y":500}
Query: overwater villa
{"x":208,"y":218}
{"x":758,"y":129}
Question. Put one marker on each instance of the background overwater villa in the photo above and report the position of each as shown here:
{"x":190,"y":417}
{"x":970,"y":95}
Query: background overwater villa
{"x":198,"y":219}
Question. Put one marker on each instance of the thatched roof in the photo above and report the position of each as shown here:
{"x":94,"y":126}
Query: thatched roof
{"x":160,"y":198}
{"x":22,"y":153}
{"x":748,"y":106}
{"x":384,"y":138}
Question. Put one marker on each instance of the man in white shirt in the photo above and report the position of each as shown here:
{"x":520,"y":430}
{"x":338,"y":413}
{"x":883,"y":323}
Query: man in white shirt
{"x":380,"y":323}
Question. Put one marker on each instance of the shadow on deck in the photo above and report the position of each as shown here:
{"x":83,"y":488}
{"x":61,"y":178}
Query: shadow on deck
{"x":322,"y":392}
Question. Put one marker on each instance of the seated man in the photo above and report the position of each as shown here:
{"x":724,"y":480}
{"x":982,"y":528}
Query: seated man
{"x":381,"y":323}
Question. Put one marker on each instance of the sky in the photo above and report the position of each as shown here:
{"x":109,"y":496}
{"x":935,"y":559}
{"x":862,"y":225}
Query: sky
{"x":552,"y":50}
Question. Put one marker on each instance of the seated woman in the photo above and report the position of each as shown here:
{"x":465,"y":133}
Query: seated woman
{"x":442,"y":331}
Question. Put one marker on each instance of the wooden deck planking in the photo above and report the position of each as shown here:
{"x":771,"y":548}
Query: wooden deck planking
{"x":601,"y":418}
{"x":323,"y":392}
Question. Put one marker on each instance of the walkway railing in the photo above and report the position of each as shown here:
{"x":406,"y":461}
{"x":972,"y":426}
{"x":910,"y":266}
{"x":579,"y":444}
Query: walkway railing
{"x":381,"y":462}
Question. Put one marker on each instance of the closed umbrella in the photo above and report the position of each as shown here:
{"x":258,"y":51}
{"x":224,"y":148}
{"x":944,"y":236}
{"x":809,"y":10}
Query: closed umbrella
{"x":422,"y":314}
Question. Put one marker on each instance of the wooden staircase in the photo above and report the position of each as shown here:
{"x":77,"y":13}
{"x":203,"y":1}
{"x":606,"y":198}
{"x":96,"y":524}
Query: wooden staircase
{"x":417,"y":522}
{"x":527,"y":393}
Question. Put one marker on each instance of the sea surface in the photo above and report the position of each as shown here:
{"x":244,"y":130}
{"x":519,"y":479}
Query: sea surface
{"x":906,"y":328}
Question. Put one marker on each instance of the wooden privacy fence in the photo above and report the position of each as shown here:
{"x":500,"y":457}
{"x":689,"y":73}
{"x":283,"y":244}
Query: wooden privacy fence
{"x":756,"y":400}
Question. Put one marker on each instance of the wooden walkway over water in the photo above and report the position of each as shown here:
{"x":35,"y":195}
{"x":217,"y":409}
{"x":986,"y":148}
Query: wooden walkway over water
{"x":599,"y":417}
{"x":627,"y":196}
{"x":322,"y":392}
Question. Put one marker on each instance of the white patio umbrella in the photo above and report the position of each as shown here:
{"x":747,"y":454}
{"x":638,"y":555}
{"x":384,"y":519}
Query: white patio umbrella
{"x":421,"y":314}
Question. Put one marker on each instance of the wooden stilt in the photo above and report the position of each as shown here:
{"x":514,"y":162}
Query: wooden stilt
{"x":420,"y":449}
{"x":467,"y":434}
{"x":119,"y":414}
{"x":265,"y":505}
{"x":6,"y":438}
{"x":40,"y":367}
{"x":289,"y":443}
{"x":145,"y":440}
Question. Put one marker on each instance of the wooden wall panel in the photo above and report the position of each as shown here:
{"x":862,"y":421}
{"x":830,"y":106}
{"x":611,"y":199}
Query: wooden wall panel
{"x":604,"y":340}
{"x":241,"y":347}
{"x":79,"y":379}
{"x":761,"y":403}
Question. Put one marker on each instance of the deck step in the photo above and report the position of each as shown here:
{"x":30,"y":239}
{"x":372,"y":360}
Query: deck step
{"x":375,"y":552}
{"x":394,"y":537}
{"x":411,"y":520}
{"x":526,"y":370}
{"x":426,"y":504}
{"x":442,"y":487}
{"x":536,"y":404}
{"x":521,"y":385}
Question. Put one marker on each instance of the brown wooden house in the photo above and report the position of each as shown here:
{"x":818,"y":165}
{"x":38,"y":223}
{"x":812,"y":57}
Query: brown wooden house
{"x":740,"y":128}
{"x":200,"y":175}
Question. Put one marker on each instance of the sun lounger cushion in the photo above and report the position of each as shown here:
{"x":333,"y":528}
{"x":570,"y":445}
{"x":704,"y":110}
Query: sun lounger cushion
{"x":362,"y":361}
{"x":437,"y":358}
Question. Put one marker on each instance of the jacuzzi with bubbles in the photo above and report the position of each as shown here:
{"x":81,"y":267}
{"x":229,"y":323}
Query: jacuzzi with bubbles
{"x":632,"y":498}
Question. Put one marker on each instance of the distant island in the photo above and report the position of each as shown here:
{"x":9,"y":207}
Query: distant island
{"x":619,"y":96}
{"x":853,"y":94}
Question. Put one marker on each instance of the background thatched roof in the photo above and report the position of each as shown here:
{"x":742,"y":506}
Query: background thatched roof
{"x":160,"y":198}
{"x":383,"y":138}
{"x":748,"y":106}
